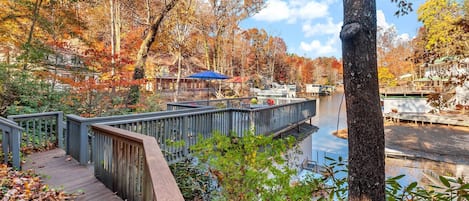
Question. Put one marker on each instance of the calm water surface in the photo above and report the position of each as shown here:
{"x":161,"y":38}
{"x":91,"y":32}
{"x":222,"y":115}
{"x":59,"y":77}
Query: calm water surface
{"x":331,"y":114}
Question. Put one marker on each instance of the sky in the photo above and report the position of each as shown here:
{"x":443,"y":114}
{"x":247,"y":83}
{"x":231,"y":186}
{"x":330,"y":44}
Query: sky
{"x":311,"y":28}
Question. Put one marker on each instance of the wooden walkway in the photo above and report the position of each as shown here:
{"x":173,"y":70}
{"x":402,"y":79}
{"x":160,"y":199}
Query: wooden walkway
{"x":63,"y":172}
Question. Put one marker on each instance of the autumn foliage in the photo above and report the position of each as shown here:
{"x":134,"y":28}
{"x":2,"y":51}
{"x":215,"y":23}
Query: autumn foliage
{"x":26,"y":185}
{"x":93,"y":48}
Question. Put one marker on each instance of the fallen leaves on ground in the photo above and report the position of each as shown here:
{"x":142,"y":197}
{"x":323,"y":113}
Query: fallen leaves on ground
{"x":26,"y":185}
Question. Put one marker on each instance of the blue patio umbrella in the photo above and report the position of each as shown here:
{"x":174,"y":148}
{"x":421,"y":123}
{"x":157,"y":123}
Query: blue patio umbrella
{"x":208,"y":75}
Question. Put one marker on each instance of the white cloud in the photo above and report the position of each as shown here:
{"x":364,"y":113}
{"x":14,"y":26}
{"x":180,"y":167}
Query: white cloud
{"x":312,"y":10}
{"x":319,"y":49}
{"x":326,"y":46}
{"x":383,"y":26}
{"x":381,"y":20}
{"x":276,"y":10}
{"x":322,"y":29}
{"x":291,"y":11}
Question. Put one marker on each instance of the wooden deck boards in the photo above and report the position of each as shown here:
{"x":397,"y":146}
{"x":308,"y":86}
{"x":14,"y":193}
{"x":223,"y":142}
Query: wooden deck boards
{"x":60,"y":171}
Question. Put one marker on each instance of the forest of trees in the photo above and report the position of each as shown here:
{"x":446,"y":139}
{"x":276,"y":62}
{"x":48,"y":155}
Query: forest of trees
{"x":122,"y":44}
{"x":92,"y":58}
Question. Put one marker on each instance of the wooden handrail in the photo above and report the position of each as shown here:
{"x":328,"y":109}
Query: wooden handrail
{"x":78,"y":130}
{"x":9,"y":123}
{"x":162,"y":182}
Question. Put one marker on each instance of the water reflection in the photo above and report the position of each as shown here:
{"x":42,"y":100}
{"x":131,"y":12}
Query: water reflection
{"x":322,"y":143}
{"x":425,"y":172}
{"x":327,"y":118}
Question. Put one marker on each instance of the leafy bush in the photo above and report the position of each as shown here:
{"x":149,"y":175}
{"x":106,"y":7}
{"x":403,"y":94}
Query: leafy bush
{"x":249,"y":168}
{"x":21,"y":92}
{"x":254,"y":168}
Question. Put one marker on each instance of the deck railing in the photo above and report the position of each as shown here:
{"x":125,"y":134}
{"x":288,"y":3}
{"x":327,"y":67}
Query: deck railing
{"x":40,"y":129}
{"x":79,"y":135}
{"x":176,"y":133}
{"x":11,"y":140}
{"x":217,"y":103}
{"x":132,"y":165}
{"x":275,"y":118}
{"x":182,"y":106}
{"x":279,"y":100}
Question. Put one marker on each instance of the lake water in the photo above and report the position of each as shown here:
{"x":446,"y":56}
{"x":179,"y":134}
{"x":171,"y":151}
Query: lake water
{"x":331,"y":115}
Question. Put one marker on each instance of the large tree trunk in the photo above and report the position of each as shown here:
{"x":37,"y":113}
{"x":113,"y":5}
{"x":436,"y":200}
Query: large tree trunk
{"x":364,"y":118}
{"x":139,"y":71}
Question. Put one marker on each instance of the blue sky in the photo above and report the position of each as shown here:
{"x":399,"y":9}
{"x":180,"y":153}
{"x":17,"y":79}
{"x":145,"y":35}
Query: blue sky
{"x":311,"y":27}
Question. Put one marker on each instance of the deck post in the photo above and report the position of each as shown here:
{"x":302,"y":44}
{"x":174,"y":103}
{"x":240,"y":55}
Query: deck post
{"x":11,"y":141}
{"x":5,"y":146}
{"x":15,"y":142}
{"x":83,"y":131}
{"x":11,"y":144}
{"x":60,"y":129}
{"x":77,"y":138}
{"x":67,"y":137}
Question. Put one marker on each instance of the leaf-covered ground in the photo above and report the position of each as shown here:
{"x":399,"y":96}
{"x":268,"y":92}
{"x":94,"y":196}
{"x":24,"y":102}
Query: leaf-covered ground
{"x":26,"y":185}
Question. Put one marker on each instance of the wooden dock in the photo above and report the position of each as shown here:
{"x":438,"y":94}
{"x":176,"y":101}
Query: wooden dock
{"x":406,"y":91}
{"x":421,"y":94}
{"x":62,"y":172}
{"x":446,"y":119}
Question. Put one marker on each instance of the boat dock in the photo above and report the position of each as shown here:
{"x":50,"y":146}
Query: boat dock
{"x":446,"y":119}
{"x":404,"y":91}
{"x":407,"y":94}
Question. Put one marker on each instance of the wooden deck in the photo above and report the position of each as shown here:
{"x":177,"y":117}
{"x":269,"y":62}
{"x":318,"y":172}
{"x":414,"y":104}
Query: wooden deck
{"x":63,"y":172}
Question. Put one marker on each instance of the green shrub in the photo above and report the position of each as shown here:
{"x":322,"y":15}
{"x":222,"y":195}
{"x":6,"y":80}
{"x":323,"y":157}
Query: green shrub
{"x":21,"y":92}
{"x":254,"y":168}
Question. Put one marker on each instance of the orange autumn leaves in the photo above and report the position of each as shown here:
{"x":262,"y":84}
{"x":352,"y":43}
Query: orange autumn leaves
{"x":25,"y":185}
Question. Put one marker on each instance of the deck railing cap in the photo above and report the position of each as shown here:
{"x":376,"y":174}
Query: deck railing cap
{"x":42,"y":114}
{"x":10,"y":123}
{"x":116,"y":118}
{"x":163,"y":117}
{"x":214,"y":100}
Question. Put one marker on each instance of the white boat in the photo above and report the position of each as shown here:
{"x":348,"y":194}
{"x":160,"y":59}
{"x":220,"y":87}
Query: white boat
{"x":277,"y":90}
